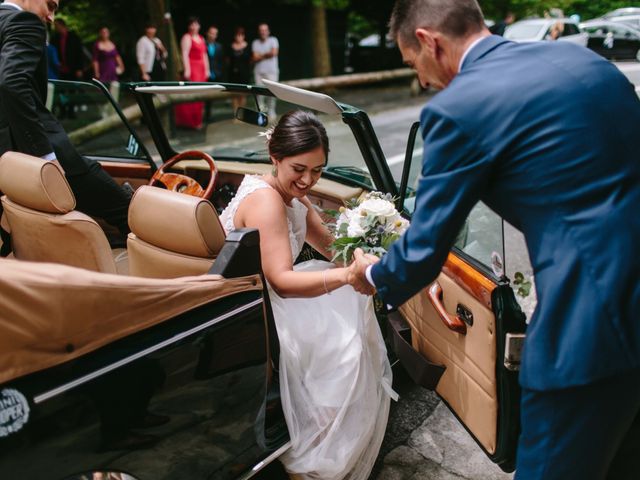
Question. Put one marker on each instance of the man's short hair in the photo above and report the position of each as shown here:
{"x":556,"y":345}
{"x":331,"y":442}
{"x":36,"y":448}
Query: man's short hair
{"x":455,"y":18}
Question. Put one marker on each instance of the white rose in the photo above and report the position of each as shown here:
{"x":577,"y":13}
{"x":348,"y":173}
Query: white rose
{"x":378,"y":207}
{"x":355,"y":227}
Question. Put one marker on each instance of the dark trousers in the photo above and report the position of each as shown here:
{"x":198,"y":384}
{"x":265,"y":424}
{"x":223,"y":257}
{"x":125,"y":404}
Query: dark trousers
{"x":590,"y":432}
{"x":97,"y":194}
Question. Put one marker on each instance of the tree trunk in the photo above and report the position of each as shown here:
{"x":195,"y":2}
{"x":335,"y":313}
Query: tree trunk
{"x":320,"y":40}
{"x":166,"y":32}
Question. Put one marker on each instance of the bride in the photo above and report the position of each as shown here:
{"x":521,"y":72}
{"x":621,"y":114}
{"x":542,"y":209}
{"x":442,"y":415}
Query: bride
{"x":334,"y":374}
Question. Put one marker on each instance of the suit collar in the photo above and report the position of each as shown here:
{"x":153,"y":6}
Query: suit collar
{"x":11,"y":6}
{"x":482,"y":48}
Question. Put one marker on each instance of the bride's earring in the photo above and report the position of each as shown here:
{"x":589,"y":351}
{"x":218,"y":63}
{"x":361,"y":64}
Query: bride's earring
{"x":274,"y":171}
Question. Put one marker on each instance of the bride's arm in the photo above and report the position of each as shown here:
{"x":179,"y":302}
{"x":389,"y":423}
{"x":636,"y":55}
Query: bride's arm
{"x":264,"y":210}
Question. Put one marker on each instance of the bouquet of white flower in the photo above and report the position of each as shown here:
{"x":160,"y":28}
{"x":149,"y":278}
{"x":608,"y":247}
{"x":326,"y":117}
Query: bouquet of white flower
{"x":371,"y":223}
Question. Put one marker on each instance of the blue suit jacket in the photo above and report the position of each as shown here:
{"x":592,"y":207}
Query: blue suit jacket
{"x":548,"y":135}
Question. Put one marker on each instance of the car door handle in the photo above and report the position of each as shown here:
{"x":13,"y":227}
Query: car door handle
{"x":452,"y":322}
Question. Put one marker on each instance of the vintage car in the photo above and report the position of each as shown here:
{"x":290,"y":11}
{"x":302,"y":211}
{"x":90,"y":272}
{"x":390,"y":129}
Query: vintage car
{"x":160,"y":360}
{"x":539,"y":29}
{"x":613,"y":40}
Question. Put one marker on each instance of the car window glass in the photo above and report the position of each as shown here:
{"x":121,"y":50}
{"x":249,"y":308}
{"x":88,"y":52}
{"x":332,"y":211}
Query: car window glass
{"x":595,"y":30}
{"x":523,"y":31}
{"x":481,"y":236}
{"x":619,"y":31}
{"x":222,"y":136}
{"x":91,"y":121}
{"x":570,"y":29}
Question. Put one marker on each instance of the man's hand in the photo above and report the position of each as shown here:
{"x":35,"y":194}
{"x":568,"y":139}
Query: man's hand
{"x":356,"y":274}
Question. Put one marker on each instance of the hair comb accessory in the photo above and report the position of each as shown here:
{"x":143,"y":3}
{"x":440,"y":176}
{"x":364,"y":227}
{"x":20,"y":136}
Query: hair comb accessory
{"x":267,"y":134}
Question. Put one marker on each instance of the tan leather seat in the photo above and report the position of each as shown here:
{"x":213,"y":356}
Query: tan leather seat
{"x":172,"y":234}
{"x":39,"y":212}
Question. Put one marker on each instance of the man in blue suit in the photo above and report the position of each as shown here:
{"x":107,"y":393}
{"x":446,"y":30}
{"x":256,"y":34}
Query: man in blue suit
{"x":548,"y":136}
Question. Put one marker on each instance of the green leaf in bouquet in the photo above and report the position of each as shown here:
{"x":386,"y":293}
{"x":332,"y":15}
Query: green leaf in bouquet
{"x":388,"y":240}
{"x":342,"y":229}
{"x":332,"y":213}
{"x":344,"y":241}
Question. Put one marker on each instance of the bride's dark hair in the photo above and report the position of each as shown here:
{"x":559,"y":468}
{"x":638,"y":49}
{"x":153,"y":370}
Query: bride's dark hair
{"x":297,"y":132}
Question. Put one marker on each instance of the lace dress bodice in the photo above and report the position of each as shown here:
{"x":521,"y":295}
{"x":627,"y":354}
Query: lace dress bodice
{"x":296,"y":213}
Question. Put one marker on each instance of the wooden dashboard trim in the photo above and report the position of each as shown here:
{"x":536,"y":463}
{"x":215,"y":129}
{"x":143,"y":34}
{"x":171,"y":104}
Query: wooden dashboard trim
{"x":129,"y":170}
{"x":472,"y":281}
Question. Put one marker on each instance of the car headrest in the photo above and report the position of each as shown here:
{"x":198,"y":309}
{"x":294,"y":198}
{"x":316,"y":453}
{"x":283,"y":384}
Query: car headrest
{"x":35,"y":183}
{"x":176,"y":222}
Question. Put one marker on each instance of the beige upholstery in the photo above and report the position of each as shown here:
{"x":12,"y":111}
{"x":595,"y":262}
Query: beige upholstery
{"x":172,"y":234}
{"x":468,"y":384}
{"x":51,"y":314}
{"x":38,"y":206}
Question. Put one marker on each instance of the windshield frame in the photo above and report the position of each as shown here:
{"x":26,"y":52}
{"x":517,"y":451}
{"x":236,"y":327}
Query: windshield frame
{"x":356,"y":119}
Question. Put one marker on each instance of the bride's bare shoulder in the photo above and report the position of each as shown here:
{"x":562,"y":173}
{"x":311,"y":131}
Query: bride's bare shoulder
{"x":264,"y":205}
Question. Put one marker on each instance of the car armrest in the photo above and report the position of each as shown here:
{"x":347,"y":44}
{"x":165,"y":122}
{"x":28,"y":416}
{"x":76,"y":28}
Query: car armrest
{"x":240,"y":254}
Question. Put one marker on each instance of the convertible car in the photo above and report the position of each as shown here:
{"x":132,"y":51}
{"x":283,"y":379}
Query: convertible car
{"x":157,"y":358}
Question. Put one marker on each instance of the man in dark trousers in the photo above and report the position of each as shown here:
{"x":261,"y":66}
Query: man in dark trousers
{"x":546,"y":135}
{"x":27,"y":126}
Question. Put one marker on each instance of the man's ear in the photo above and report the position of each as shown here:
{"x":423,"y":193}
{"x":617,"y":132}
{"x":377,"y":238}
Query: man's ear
{"x":427,"y":39}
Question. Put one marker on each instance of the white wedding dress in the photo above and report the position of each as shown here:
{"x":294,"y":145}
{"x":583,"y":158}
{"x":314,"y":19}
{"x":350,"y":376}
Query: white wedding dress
{"x":335,"y":377}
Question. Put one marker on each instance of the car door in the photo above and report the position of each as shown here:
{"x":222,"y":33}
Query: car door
{"x":624,"y":42}
{"x":459,"y":335}
{"x":100,"y":128}
{"x":600,"y":41}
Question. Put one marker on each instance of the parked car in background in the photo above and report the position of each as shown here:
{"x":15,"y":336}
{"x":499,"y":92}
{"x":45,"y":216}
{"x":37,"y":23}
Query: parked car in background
{"x":620,"y":12}
{"x":616,"y":41}
{"x":538,"y":29}
{"x":367,"y":55}
{"x":631,"y":20}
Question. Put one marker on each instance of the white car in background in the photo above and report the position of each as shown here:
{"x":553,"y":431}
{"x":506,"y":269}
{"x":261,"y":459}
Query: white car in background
{"x":630,"y":20}
{"x":621,"y":12}
{"x":539,"y":29}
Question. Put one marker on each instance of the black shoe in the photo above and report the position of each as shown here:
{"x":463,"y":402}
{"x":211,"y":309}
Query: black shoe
{"x":151,"y":420}
{"x":129,"y":441}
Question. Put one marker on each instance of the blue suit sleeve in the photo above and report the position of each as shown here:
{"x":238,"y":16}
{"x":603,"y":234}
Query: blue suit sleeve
{"x":453,"y":177}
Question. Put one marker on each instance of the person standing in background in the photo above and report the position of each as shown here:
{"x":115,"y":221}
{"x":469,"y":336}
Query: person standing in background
{"x":264,"y":52}
{"x":196,"y":69}
{"x":239,"y":64}
{"x":70,"y":52}
{"x":500,"y":27}
{"x":215,"y":53}
{"x":107,"y":63}
{"x":151,"y":55}
{"x":53,"y":62}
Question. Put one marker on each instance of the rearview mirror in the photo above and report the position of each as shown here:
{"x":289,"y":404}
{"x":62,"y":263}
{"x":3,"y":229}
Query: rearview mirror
{"x":252,"y":117}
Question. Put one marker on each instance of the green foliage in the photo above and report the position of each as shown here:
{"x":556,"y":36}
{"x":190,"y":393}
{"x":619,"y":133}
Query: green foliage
{"x":524,"y":285}
{"x":496,"y":9}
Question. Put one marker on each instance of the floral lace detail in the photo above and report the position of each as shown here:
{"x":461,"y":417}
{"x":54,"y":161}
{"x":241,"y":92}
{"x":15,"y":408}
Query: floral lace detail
{"x":296,"y":213}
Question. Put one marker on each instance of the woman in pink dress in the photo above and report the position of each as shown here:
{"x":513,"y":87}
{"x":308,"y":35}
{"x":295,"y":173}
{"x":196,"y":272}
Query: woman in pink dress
{"x":196,"y":68}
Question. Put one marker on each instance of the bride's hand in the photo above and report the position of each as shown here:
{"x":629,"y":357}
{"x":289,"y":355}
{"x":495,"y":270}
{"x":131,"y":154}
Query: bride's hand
{"x":356,"y":276}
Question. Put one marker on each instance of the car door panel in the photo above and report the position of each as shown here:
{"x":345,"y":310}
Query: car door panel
{"x":457,"y":327}
{"x":468,"y":384}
